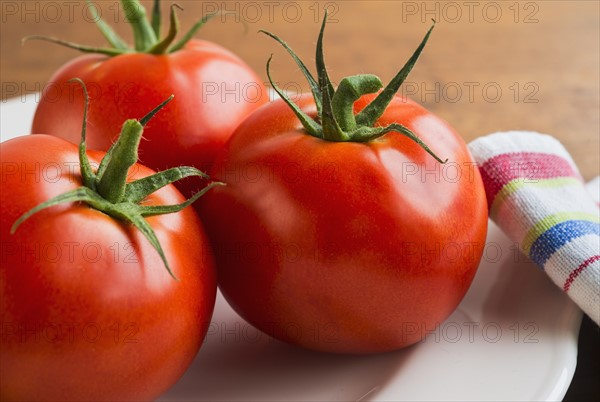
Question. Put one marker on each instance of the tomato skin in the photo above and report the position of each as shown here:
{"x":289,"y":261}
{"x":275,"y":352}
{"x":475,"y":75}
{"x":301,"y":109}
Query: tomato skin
{"x":88,"y":310}
{"x":214,"y":91}
{"x":332,"y":245}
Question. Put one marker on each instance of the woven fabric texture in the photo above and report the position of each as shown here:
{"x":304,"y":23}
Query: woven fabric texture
{"x":537,"y":197}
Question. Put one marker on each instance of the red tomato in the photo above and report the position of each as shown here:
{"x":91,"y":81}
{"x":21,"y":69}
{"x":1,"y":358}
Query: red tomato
{"x":214,"y":91}
{"x":88,"y":310}
{"x":352,"y":247}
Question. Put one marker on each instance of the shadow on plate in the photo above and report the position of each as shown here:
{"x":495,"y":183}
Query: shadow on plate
{"x":239,"y":363}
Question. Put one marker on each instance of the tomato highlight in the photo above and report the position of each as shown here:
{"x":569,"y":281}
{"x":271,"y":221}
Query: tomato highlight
{"x":323,"y":227}
{"x":88,"y":309}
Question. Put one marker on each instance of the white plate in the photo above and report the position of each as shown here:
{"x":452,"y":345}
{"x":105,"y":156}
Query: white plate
{"x":513,"y":337}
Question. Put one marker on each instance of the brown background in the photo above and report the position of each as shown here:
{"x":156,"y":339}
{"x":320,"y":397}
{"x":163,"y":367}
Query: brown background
{"x":544,"y":56}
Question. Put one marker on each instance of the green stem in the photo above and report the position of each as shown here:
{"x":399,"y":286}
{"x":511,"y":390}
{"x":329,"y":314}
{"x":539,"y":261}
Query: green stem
{"x":144,"y":120}
{"x":331,"y":129}
{"x":146,"y":34}
{"x":162,"y":46}
{"x":156,"y":18}
{"x":107,"y":190}
{"x":311,"y":126}
{"x":77,"y":195}
{"x":151,"y":210}
{"x":109,"y":34}
{"x":190,"y":34}
{"x":124,"y":155}
{"x":87,"y":175}
{"x":373,"y":111}
{"x":348,"y":92}
{"x":82,"y":48}
{"x":314,"y":86}
{"x":336,"y":120}
{"x":141,"y":188}
{"x":323,"y":78}
{"x":143,"y":34}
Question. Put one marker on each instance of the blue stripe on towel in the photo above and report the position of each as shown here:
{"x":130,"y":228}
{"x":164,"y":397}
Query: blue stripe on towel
{"x":557,"y":236}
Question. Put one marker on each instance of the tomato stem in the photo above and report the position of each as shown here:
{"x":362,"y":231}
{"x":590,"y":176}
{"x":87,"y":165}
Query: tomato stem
{"x":82,"y":48}
{"x":143,"y":34}
{"x":86,"y":169}
{"x":109,"y":34}
{"x":112,"y":176}
{"x":108,"y":190}
{"x":348,"y":92}
{"x":162,"y":46}
{"x":190,"y":34}
{"x":122,"y":157}
{"x":314,"y":86}
{"x":373,"y":111}
{"x":309,"y":124}
{"x":146,"y":34}
{"x":336,"y":120}
{"x":156,"y":18}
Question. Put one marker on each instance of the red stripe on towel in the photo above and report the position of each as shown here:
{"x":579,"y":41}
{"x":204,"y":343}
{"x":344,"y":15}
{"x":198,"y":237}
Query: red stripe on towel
{"x":578,"y":270}
{"x":497,"y":171}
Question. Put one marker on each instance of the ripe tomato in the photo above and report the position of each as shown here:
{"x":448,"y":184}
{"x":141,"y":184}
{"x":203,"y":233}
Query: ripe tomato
{"x":344,"y":245}
{"x":87,"y":308}
{"x":214,"y":91}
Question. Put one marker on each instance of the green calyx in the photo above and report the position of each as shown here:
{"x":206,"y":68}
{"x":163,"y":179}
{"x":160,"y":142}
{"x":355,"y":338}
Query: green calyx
{"x":147,"y":34}
{"x":107,"y":189}
{"x":335,"y":119}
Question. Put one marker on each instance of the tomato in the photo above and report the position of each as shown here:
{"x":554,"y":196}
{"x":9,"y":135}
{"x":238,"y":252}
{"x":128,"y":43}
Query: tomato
{"x":214,"y":91}
{"x":348,"y":246}
{"x":87,"y":308}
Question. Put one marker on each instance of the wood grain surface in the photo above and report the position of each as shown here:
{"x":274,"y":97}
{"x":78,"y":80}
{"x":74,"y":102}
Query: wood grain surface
{"x":489,"y":66}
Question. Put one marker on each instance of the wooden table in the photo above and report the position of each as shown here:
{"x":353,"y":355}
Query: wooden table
{"x":489,"y":66}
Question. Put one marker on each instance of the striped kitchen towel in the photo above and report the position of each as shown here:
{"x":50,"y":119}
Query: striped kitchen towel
{"x":537,"y":197}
